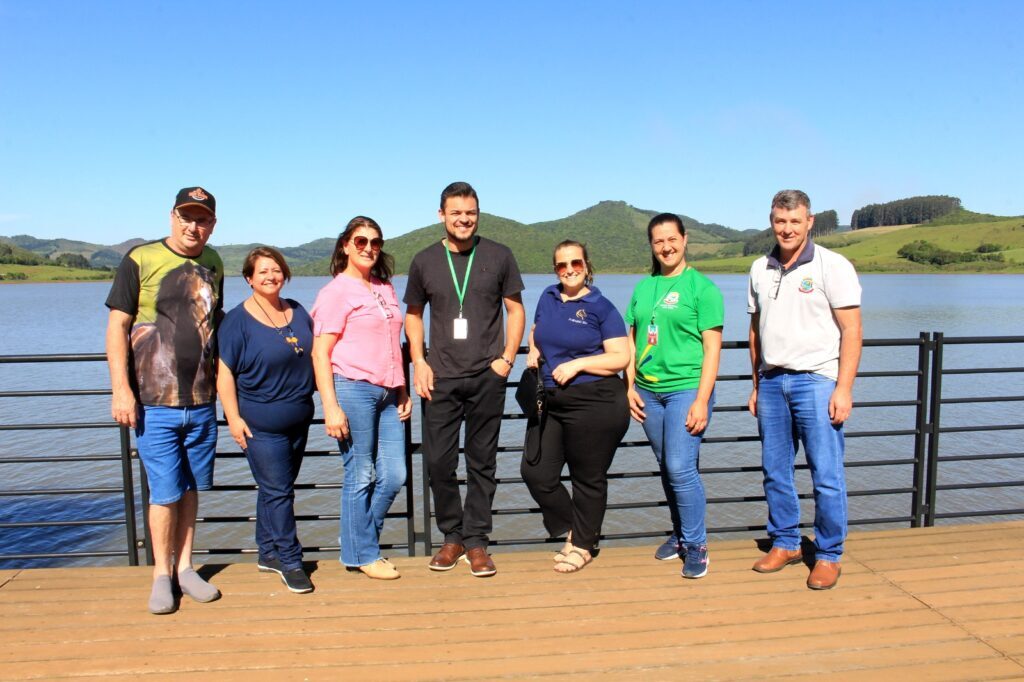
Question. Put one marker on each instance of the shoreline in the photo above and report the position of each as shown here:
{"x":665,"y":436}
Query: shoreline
{"x":695,"y":264}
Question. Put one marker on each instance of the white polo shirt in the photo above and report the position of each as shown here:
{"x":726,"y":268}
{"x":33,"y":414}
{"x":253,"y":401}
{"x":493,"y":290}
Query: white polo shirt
{"x":797,"y":328}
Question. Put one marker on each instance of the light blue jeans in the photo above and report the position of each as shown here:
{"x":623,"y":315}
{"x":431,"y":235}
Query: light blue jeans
{"x":176,"y":445}
{"x":793,"y":407}
{"x":678,"y":455}
{"x":374,"y":459}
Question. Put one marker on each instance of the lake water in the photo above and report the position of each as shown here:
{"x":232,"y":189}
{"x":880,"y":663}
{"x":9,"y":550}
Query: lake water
{"x":70,"y":318}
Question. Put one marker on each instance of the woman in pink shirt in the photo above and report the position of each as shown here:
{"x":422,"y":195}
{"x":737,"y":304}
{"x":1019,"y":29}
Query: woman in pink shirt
{"x":357,"y":359}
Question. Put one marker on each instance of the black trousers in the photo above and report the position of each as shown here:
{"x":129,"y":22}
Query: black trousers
{"x":478,"y":400}
{"x":585,"y":424}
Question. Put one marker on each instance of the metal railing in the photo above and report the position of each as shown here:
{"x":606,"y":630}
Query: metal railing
{"x":925,"y":459}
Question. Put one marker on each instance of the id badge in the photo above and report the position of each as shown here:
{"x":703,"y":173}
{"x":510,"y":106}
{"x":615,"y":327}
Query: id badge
{"x":461,"y":330}
{"x":652,"y":335}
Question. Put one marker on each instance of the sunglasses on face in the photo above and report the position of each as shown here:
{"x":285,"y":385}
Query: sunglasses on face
{"x":360,"y":242}
{"x":576,"y":264}
{"x":204,"y":222}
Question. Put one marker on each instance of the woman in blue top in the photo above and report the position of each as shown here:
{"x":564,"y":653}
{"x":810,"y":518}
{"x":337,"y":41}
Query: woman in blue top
{"x":579,"y":338}
{"x":676,"y":318}
{"x":265,"y":385}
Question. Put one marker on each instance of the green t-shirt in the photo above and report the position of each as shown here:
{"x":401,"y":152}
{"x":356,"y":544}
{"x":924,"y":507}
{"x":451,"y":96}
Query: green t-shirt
{"x":682,"y":307}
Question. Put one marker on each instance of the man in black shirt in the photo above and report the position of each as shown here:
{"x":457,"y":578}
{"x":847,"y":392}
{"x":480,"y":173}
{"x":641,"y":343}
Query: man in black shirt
{"x":466,"y":280}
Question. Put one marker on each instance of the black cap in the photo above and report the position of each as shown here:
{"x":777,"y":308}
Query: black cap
{"x":196,"y":196}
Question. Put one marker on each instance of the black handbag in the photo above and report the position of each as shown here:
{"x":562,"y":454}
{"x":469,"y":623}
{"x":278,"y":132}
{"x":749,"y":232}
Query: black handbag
{"x":530,"y":393}
{"x":532,"y":400}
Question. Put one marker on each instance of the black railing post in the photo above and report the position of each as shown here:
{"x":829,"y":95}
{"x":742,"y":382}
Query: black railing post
{"x":128,"y":483}
{"x":147,"y":534}
{"x":410,"y":499}
{"x":428,"y":546}
{"x":921,"y":427}
{"x":934,"y":420}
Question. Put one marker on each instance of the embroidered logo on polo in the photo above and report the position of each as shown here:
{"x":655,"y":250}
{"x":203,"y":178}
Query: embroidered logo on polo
{"x":580,"y":317}
{"x":198,"y":194}
{"x":806,"y":285}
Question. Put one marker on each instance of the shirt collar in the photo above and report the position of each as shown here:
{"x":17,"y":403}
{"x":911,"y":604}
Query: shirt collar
{"x":806,"y":256}
{"x":555,"y":290}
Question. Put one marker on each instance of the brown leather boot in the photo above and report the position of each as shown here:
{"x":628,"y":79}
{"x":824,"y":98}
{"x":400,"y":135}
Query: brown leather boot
{"x":824,"y":575}
{"x":447,"y":557}
{"x":777,"y":559}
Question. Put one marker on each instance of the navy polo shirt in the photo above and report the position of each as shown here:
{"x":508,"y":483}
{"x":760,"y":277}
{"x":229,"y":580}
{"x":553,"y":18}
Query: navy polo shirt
{"x":566,"y":330}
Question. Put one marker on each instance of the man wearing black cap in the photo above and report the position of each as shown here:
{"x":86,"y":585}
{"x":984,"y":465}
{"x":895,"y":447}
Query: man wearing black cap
{"x":164,"y":303}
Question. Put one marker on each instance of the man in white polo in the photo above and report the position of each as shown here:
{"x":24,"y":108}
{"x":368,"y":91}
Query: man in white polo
{"x":805,"y":343}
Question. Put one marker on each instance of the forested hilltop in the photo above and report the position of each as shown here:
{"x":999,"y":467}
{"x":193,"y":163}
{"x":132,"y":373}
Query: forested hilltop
{"x":955,"y":240}
{"x":614,"y":231}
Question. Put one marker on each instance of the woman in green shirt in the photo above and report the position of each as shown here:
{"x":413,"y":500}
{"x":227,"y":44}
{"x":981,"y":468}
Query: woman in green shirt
{"x":675,"y":319}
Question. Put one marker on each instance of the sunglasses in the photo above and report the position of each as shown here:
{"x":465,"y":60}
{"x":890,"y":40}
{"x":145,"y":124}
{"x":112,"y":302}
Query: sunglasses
{"x":360,"y":242}
{"x":576,"y":264}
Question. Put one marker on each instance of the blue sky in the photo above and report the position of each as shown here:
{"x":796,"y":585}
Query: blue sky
{"x":299,"y":117}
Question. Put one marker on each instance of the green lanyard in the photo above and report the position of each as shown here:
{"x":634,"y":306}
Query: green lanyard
{"x":658,"y":299}
{"x":460,"y":291}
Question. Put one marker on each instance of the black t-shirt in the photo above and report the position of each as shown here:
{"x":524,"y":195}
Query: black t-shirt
{"x":495,"y":275}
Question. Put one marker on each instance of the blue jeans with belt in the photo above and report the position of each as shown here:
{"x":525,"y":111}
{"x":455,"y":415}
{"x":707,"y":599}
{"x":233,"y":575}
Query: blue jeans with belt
{"x":678,"y":455}
{"x":792,"y":407}
{"x":374,"y":460}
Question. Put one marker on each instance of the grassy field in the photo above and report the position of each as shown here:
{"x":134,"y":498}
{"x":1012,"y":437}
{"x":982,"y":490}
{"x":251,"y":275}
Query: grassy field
{"x":50,"y":273}
{"x":875,"y":249}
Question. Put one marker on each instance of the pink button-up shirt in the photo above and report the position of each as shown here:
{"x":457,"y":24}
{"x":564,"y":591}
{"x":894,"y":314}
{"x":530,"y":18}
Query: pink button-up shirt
{"x":368,"y":325}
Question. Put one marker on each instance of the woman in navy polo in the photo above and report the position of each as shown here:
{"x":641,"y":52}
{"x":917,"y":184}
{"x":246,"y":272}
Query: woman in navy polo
{"x":579,"y":340}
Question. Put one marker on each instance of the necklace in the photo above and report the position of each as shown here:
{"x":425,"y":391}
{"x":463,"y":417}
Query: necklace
{"x":290,"y":339}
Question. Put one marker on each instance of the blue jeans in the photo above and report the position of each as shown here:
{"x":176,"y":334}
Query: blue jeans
{"x":275,"y":459}
{"x":176,"y":445}
{"x":374,"y":459}
{"x":793,"y":407}
{"x":678,"y":455}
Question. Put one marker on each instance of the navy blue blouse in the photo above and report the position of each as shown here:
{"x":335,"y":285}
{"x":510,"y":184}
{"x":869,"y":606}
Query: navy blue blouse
{"x":274,"y":382}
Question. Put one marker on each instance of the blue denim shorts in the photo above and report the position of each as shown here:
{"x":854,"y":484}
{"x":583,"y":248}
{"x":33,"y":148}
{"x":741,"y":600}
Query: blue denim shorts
{"x":177,"y":446}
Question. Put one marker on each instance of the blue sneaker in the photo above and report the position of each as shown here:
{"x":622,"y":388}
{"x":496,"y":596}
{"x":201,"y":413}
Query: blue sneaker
{"x":670,"y":549}
{"x":695,"y":561}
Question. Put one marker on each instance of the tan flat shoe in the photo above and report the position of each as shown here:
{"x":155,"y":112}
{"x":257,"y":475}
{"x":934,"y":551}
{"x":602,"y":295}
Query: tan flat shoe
{"x":381,"y":569}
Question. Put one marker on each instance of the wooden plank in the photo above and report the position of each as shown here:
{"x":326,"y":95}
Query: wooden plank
{"x":909,"y":608}
{"x":512,"y":654}
{"x":738,"y":626}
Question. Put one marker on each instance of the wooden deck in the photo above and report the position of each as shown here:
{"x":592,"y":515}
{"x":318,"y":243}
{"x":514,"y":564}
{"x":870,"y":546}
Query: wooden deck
{"x":938,"y":603}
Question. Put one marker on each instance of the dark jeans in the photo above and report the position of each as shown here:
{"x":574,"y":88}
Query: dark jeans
{"x":275,"y":459}
{"x":479,"y":401}
{"x":585,"y":423}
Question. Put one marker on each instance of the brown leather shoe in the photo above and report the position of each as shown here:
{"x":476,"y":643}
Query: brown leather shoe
{"x":480,"y":563}
{"x":447,"y":557}
{"x":824,"y":575}
{"x":778,"y":559}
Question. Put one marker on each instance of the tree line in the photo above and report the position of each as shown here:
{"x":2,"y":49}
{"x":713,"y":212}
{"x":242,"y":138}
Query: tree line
{"x":825,"y":222}
{"x":904,"y":211}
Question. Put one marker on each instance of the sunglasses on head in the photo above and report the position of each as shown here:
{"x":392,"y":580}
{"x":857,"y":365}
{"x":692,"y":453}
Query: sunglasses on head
{"x":576,"y":264}
{"x":360,"y":242}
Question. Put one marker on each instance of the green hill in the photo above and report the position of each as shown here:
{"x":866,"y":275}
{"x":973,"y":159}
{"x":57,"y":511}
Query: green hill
{"x":616,"y":234}
{"x":875,"y":249}
{"x":614,"y":231}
